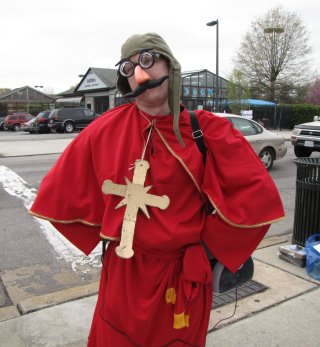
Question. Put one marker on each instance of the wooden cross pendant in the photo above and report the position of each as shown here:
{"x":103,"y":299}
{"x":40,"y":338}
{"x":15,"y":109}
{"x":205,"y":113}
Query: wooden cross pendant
{"x":135,"y":196}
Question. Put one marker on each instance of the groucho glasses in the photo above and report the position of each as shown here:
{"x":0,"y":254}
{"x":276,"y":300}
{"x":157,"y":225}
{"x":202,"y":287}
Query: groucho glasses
{"x":146,"y":60}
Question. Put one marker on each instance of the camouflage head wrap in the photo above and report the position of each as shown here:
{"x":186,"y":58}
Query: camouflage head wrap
{"x":136,"y":44}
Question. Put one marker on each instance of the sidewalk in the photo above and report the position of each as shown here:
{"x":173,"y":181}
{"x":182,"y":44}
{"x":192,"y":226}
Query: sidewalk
{"x":286,"y":314}
{"x":56,"y":146}
{"x":33,"y":147}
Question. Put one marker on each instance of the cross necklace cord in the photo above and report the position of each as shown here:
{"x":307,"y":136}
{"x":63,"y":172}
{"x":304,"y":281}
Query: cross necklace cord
{"x":135,"y":196}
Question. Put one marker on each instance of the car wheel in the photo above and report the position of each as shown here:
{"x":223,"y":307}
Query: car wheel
{"x":302,"y":151}
{"x":16,"y":127}
{"x":267,"y":157}
{"x":69,"y":127}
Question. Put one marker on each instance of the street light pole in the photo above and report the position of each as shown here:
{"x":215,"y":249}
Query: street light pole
{"x":211,"y":24}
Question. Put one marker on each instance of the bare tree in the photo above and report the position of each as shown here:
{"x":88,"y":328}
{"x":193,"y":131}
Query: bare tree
{"x":274,"y":54}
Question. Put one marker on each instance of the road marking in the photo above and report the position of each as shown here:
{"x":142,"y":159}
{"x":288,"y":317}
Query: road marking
{"x":15,"y":186}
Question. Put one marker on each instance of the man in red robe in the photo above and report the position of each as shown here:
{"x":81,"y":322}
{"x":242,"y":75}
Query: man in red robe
{"x":156,"y":281}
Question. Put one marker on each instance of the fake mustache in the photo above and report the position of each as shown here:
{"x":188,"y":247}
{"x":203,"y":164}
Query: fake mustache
{"x":146,"y":85}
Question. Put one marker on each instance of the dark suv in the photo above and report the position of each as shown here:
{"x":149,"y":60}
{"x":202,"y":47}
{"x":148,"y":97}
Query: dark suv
{"x":13,"y":121}
{"x":40,"y":124}
{"x":69,"y":119}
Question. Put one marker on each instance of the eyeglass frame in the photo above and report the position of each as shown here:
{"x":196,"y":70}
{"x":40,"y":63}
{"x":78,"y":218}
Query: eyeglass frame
{"x":154,"y":55}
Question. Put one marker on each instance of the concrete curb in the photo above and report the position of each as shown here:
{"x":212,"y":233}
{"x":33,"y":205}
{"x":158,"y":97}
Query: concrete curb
{"x":275,"y":240}
{"x":41,"y":302}
{"x":8,"y":312}
{"x":44,"y":301}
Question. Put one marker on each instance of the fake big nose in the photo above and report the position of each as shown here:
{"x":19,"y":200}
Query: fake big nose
{"x":141,"y":75}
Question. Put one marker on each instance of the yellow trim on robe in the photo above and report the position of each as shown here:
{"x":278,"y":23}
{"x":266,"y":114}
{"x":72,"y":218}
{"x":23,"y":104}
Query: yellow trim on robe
{"x":77,"y":220}
{"x":180,"y":320}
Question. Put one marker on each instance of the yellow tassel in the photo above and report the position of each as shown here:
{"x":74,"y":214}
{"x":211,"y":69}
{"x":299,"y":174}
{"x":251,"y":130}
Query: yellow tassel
{"x":180,"y":321}
{"x":171,"y":296}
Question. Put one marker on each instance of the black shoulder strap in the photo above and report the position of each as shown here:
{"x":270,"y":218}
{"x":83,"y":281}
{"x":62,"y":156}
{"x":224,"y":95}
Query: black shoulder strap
{"x":197,"y":134}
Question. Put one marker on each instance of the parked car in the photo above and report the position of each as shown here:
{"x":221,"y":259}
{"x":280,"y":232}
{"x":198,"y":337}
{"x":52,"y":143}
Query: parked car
{"x":306,"y":138}
{"x":267,"y":145}
{"x":1,"y":123}
{"x":69,"y":119}
{"x":38,"y":124}
{"x":13,"y":121}
{"x":28,"y":126}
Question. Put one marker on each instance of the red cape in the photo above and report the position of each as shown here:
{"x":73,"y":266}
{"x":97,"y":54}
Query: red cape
{"x":167,"y":285}
{"x":234,"y":180}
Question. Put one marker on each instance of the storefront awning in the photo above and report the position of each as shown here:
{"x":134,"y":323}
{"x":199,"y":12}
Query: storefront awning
{"x":251,"y":102}
{"x":70,"y":102}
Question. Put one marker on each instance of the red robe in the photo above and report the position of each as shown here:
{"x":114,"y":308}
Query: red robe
{"x":162,"y":296}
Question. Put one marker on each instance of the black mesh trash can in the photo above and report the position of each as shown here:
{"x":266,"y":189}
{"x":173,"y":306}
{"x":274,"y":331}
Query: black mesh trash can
{"x":307,"y":204}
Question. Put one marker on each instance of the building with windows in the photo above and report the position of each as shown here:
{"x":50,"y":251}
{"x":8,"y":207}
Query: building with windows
{"x":199,"y":90}
{"x":98,"y":87}
{"x":25,"y":99}
{"x":97,"y":91}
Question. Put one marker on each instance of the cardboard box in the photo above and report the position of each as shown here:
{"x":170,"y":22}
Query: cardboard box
{"x":293,"y":254}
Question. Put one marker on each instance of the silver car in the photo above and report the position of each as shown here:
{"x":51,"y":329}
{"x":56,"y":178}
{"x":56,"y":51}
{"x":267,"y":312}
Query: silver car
{"x":267,"y":145}
{"x":306,"y":138}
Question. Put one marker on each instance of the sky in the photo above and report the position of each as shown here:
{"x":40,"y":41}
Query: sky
{"x":50,"y":43}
